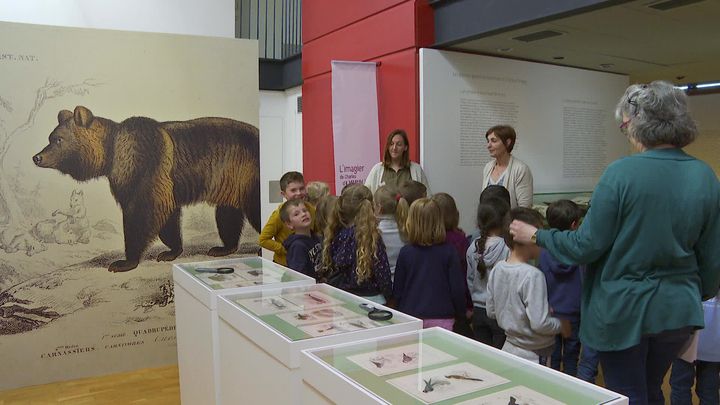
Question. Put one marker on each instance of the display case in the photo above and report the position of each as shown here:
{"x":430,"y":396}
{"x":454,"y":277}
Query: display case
{"x":435,"y":366}
{"x":196,"y":320}
{"x":263,"y":333}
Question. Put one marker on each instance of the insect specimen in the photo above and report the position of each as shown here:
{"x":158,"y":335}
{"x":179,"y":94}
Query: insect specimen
{"x":255,"y":273}
{"x":327,"y":313}
{"x":302,"y":317}
{"x":430,"y":384}
{"x":513,"y":401}
{"x":407,"y":358}
{"x":332,"y":326}
{"x":463,"y":376}
{"x":277,"y":303}
{"x":318,"y":300}
{"x":379,"y":362}
{"x":358,"y":324}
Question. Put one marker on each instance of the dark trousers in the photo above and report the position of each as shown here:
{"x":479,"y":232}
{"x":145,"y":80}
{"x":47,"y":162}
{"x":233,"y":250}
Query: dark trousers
{"x":705,"y":376}
{"x":567,"y":351}
{"x":637,"y":372}
{"x":486,"y":330}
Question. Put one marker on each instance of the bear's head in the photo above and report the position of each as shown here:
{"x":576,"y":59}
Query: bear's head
{"x":77,"y":145}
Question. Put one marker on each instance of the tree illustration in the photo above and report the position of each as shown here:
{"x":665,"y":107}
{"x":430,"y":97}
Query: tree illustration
{"x":10,"y":210}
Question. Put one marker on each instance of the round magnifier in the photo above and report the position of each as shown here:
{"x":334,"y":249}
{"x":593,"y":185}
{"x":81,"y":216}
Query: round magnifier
{"x":218,"y":270}
{"x":376,"y":314}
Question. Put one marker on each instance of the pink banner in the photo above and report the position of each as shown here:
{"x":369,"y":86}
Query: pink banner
{"x":355,"y":121}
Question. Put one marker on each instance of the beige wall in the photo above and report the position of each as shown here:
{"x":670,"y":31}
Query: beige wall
{"x":705,"y":110}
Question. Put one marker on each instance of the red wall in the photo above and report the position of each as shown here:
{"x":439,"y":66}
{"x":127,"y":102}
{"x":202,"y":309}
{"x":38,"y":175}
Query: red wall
{"x":389,"y":32}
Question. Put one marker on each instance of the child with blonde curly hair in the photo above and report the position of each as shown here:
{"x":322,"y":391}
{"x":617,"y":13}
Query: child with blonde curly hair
{"x":354,"y":257}
{"x":317,"y":190}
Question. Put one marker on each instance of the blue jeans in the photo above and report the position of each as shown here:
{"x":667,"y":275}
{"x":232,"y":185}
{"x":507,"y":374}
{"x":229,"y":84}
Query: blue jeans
{"x":705,"y":376}
{"x":567,"y":351}
{"x":588,"y":366}
{"x":637,"y":372}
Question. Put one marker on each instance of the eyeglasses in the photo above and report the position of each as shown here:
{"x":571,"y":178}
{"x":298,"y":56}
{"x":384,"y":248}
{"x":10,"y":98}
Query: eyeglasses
{"x":632,"y":100}
{"x":624,"y":125}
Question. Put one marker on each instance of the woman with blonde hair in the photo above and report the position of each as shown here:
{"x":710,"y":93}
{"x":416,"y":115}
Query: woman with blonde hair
{"x":428,"y":279}
{"x":354,"y":257}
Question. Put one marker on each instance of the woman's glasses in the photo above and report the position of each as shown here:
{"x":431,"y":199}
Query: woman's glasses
{"x":632,"y":100}
{"x":624,"y":125}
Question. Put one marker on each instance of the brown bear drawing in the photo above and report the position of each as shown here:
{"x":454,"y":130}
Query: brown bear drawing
{"x":154,"y":168}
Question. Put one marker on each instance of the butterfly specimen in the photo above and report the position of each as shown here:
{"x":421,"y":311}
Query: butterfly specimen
{"x":302,"y":317}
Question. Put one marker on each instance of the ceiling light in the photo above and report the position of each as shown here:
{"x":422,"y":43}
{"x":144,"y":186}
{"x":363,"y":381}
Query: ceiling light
{"x":671,"y":4}
{"x":682,"y":87}
{"x":504,"y":49}
{"x":706,"y":85}
{"x":536,"y":36}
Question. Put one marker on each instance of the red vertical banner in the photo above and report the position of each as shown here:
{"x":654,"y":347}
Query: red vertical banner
{"x":354,"y":121}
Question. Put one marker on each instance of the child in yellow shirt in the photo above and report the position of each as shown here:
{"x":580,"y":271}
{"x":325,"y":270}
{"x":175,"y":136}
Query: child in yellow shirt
{"x":274,"y":233}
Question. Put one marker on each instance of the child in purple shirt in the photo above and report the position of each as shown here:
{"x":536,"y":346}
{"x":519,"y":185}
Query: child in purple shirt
{"x":354,"y":257}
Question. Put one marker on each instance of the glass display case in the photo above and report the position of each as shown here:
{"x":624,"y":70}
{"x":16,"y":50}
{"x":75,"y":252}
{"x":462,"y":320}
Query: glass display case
{"x":197,"y":288}
{"x":263,"y":333}
{"x":435,"y":366}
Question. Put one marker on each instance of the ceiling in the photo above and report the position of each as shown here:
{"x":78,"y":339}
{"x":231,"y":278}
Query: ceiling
{"x":681,"y":44}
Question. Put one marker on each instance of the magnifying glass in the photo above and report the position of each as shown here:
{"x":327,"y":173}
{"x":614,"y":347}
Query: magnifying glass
{"x":217,"y":270}
{"x":376,"y":314}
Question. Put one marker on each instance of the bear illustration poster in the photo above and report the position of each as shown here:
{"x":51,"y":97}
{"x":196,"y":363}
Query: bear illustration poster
{"x":120,"y":154}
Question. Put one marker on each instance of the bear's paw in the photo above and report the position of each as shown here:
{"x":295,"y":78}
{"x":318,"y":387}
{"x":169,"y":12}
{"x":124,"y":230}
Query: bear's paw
{"x":122,"y":266}
{"x":218,"y":251}
{"x":169,"y":255}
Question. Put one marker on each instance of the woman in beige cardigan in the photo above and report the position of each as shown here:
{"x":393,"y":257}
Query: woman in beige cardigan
{"x":506,"y":170}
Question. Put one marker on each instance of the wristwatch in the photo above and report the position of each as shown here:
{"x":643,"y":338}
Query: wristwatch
{"x":533,"y":238}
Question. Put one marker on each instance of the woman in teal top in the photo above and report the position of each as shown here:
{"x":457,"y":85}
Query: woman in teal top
{"x":651,"y":240}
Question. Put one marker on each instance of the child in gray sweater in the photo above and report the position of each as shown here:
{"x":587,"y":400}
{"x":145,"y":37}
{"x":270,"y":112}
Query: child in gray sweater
{"x":518,"y":297}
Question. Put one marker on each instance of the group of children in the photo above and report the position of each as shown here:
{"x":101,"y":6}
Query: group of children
{"x":399,"y":247}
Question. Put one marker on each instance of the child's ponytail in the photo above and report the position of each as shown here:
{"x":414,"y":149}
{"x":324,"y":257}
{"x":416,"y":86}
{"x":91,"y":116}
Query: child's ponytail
{"x":401,"y":214}
{"x":490,"y":216}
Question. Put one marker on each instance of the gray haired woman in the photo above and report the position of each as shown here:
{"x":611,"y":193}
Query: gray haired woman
{"x":651,"y":240}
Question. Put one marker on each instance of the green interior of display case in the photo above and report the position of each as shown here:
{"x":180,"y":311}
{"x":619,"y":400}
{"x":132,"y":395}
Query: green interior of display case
{"x":294,"y":333}
{"x":516,"y":371}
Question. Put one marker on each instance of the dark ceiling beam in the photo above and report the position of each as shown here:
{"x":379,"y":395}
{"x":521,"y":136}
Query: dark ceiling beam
{"x":280,"y":74}
{"x":464,"y":20}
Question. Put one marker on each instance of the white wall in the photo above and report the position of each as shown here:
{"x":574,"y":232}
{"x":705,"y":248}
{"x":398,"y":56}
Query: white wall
{"x":193,"y":17}
{"x":280,"y":142}
{"x":563,"y":117}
